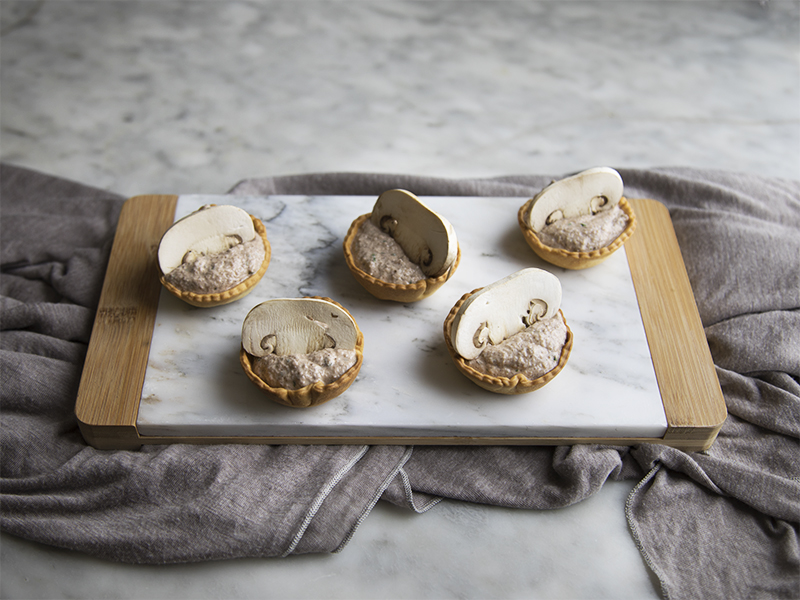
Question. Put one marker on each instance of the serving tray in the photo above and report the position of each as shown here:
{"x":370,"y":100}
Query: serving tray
{"x":160,"y":371}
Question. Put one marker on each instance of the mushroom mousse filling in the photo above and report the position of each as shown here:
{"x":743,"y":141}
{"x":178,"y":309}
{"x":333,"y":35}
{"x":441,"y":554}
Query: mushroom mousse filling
{"x":295,"y":371}
{"x":532,"y":352}
{"x":378,"y":254}
{"x":585,"y":233}
{"x":214,"y":273}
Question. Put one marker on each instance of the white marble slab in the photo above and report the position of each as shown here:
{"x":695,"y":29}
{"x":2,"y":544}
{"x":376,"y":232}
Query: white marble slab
{"x":408,"y":385}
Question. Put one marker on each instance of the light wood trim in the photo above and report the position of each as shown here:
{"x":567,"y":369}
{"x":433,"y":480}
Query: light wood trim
{"x":693,"y":401}
{"x":116,"y":359}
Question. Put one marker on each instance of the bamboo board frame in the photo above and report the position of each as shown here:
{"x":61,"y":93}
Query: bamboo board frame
{"x":116,"y":361}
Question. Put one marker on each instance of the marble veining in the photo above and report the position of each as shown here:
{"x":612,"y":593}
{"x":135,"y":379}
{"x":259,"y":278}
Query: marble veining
{"x":408,"y":385}
{"x":182,"y":96}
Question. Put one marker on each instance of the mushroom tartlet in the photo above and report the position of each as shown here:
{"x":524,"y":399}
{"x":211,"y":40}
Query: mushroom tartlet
{"x":510,"y":337}
{"x":579,"y":221}
{"x":213,"y":256}
{"x":402,"y":250}
{"x":301,"y":351}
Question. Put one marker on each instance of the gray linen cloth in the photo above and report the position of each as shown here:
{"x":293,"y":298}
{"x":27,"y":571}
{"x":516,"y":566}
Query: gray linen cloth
{"x":722,"y":523}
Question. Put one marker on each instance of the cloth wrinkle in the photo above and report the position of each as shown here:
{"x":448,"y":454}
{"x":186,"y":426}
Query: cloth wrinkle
{"x":323,"y":493}
{"x":716,"y":524}
{"x":411,"y":498}
{"x":376,"y":496}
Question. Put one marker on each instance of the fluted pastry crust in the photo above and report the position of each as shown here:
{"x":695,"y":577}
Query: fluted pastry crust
{"x":518,"y":384}
{"x":568,"y":259}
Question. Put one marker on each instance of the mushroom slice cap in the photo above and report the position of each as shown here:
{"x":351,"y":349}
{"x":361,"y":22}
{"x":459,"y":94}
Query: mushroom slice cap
{"x":585,"y":193}
{"x":297,"y":326}
{"x":426,"y":237}
{"x":501,"y":309}
{"x":208,"y":230}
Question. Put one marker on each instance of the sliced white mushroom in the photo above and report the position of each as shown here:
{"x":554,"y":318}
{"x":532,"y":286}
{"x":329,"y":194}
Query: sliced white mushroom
{"x":586,"y":193}
{"x":426,"y":237}
{"x":209,"y":230}
{"x":501,"y":309}
{"x":286,"y":326}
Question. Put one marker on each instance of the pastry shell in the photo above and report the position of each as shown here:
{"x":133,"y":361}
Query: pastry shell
{"x":568,"y":259}
{"x":392,"y":291}
{"x":518,"y":384}
{"x":317,"y":392}
{"x":235,"y":293}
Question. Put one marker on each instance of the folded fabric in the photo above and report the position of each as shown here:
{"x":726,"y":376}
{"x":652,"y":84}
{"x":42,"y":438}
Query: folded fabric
{"x":721,"y":523}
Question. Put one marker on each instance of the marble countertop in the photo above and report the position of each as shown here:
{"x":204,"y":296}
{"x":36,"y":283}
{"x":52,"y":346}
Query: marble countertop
{"x":191,"y":97}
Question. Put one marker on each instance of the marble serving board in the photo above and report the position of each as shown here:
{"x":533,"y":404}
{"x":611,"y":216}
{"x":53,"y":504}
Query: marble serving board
{"x":408,"y":386}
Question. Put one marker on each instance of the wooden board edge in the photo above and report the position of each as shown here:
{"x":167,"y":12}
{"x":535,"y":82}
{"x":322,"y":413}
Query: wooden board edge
{"x":688,"y":444}
{"x":694,"y":438}
{"x":693,"y":402}
{"x":109,"y":392}
{"x":111,"y":437}
{"x":127,"y":438}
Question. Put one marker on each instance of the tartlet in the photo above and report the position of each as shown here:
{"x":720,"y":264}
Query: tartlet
{"x":312,"y":308}
{"x":518,"y":383}
{"x":582,"y":191}
{"x":247,"y":225}
{"x":441,"y":246}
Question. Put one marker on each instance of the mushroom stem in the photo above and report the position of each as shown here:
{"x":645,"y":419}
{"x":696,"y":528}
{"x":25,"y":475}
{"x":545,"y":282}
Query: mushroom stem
{"x":268,"y":343}
{"x":537,"y":309}
{"x":481,"y":336}
{"x":597,"y":203}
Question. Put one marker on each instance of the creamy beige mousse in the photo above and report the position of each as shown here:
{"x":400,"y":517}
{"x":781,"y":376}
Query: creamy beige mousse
{"x":532,"y":352}
{"x":585,"y":233}
{"x":213,"y":273}
{"x":380,"y":255}
{"x":296,"y":371}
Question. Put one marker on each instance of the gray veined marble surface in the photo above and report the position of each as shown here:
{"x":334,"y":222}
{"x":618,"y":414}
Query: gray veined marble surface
{"x":184,"y":97}
{"x":194,"y":385}
{"x":190,"y":97}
